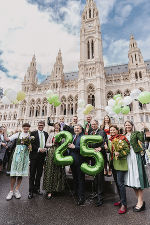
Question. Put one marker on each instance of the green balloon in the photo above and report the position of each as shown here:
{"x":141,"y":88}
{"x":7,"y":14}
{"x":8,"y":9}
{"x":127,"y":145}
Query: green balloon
{"x":116,"y":96}
{"x":54,"y":98}
{"x":49,"y":100}
{"x":59,"y":158}
{"x":57,"y":103}
{"x":85,"y":151}
{"x":144,"y":97}
{"x":117,"y":109}
{"x":125,"y":110}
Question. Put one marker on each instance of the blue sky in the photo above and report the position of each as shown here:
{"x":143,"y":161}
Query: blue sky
{"x":44,"y":26}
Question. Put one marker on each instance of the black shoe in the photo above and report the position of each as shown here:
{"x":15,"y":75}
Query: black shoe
{"x":81,"y":201}
{"x":30,"y":195}
{"x":99,"y":203}
{"x":38,"y":192}
{"x":139,"y":209}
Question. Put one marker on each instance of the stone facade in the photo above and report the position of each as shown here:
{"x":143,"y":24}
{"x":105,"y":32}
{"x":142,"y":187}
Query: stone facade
{"x":93,"y":82}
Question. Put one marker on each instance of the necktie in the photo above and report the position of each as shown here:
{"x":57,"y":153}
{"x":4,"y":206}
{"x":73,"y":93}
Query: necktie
{"x":87,"y":129}
{"x":75,"y":138}
{"x":41,"y":142}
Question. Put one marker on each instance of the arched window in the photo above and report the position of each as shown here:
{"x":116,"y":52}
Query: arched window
{"x":118,"y":92}
{"x":70,"y":105}
{"x":38,"y":108}
{"x":110,"y":95}
{"x":0,"y":116}
{"x":140,"y":75}
{"x":131,"y":107}
{"x":135,"y":58}
{"x":76,"y":104}
{"x":132,"y":58}
{"x":88,"y":49}
{"x":93,"y":13}
{"x":136,"y":76}
{"x":91,"y":99}
{"x":126,"y":93}
{"x":92,"y":48}
{"x":89,"y":13}
{"x":91,"y":95}
{"x":15,"y":116}
{"x":44,"y":107}
{"x":63,"y":105}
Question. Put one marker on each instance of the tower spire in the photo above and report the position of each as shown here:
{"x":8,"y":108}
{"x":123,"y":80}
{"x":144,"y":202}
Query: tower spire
{"x":137,"y":67}
{"x":134,"y":54}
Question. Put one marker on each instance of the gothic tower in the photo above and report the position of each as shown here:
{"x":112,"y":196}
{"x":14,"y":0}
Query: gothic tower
{"x":30,"y":79}
{"x":91,"y":80}
{"x":57,"y":79}
{"x":57,"y":74}
{"x":137,"y":67}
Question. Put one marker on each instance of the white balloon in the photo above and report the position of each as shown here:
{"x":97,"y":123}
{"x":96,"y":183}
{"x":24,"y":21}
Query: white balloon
{"x":111,"y":114}
{"x":49,"y":93}
{"x":11,"y":95}
{"x":108,"y":109}
{"x":127,"y":100}
{"x":111,"y":102}
{"x":6,"y":101}
{"x":80,"y":111}
{"x":135,"y":93}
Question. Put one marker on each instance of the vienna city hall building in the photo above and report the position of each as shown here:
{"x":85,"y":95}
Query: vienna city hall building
{"x":93,"y":82}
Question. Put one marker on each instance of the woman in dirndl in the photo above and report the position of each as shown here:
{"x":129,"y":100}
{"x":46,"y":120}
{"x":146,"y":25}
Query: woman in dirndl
{"x":20,"y":161}
{"x":136,"y":177}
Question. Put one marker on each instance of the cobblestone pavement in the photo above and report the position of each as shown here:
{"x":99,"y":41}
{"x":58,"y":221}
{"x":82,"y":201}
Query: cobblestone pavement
{"x":62,"y":210}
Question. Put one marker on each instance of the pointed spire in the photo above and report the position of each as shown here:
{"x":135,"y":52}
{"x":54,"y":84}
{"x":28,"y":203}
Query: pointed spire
{"x":59,"y":57}
{"x":134,"y":54}
{"x":133,"y":43}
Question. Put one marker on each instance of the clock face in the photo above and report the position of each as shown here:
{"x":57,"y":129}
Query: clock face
{"x":89,"y":25}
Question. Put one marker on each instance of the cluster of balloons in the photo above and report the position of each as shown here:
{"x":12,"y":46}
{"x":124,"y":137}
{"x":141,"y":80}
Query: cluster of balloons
{"x":120,"y":106}
{"x":85,"y":151}
{"x":13,"y":97}
{"x":84,"y":109}
{"x":52,"y":98}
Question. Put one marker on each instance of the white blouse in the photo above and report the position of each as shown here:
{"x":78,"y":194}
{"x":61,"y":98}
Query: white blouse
{"x":15,"y":136}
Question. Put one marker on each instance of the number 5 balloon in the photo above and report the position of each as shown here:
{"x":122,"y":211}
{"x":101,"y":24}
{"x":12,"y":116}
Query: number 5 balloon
{"x":59,"y":158}
{"x":90,"y":152}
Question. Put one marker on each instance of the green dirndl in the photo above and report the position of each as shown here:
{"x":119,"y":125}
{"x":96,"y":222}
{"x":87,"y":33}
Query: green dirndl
{"x":54,"y":175}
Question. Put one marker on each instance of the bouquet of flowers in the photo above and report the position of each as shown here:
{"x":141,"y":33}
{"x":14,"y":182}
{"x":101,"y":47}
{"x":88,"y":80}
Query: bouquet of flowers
{"x":27,"y":141}
{"x":117,"y":146}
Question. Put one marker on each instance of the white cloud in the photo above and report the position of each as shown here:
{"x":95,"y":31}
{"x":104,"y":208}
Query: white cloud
{"x":104,"y":7}
{"x":122,"y":13}
{"x":118,"y":50}
{"x":6,"y":82}
{"x":72,"y":16}
{"x":25,"y":31}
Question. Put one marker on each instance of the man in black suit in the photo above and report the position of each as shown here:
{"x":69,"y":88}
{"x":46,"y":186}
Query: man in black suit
{"x":99,"y":179}
{"x":78,"y":175}
{"x":37,"y":158}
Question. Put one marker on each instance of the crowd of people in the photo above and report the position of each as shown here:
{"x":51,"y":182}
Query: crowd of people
{"x":30,"y":152}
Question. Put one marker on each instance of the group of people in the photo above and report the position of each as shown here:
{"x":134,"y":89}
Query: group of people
{"x":122,"y":153}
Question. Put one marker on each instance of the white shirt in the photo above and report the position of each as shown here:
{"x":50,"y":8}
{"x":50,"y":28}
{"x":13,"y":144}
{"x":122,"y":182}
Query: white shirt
{"x":1,"y":137}
{"x":39,"y":133}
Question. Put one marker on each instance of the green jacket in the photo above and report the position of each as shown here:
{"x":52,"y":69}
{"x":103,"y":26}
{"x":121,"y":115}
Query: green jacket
{"x":121,"y":162}
{"x":136,"y":138}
